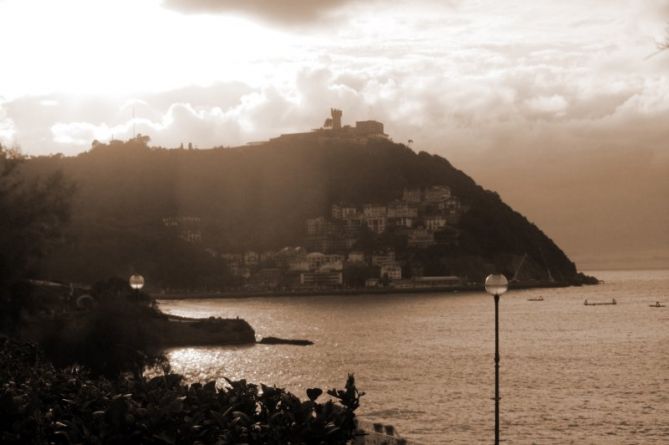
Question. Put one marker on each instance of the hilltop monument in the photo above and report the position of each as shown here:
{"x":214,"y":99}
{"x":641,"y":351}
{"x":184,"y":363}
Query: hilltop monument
{"x":336,"y":118}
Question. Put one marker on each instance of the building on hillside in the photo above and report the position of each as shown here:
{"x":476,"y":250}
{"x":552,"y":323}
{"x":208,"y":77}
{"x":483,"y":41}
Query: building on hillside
{"x":368,"y":128}
{"x":402,"y":222}
{"x":343,"y":212}
{"x":375,"y":217}
{"x":332,"y":266}
{"x":402,"y":214}
{"x":298,"y":264}
{"x":191,"y":236}
{"x":383,"y":258}
{"x":316,"y":260}
{"x":412,"y":195}
{"x":356,"y":257}
{"x":392,"y":271}
{"x":376,"y":224}
{"x":351,"y":227}
{"x":321,"y":279}
{"x":335,"y":258}
{"x":349,"y":213}
{"x":420,"y":238}
{"x":251,"y":258}
{"x":435,"y":222}
{"x":374,"y":211}
{"x":398,"y":209}
{"x":333,"y":130}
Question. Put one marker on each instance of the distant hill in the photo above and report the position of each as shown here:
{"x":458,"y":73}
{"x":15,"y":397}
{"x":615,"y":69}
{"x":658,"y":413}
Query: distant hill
{"x":133,"y":203}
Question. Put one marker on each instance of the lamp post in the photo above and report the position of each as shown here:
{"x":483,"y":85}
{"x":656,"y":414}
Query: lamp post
{"x":136,"y":282}
{"x":496,"y":285}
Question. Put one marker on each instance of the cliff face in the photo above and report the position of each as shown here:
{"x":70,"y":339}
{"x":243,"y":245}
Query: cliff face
{"x":260,"y":198}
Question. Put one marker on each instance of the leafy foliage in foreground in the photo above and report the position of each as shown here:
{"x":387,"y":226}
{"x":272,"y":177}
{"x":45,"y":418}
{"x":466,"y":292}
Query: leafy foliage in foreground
{"x":40,"y":404}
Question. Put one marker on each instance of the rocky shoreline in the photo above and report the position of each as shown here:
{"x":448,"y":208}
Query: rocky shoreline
{"x":181,"y":331}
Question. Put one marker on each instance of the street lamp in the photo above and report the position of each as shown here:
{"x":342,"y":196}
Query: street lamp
{"x":136,"y":282}
{"x":496,"y":285}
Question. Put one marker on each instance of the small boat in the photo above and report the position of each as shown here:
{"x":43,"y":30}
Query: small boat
{"x":601,"y":303}
{"x":657,"y":304}
{"x":539,"y":298}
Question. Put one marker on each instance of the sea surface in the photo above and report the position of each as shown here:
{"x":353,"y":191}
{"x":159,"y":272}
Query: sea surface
{"x":569,"y":373}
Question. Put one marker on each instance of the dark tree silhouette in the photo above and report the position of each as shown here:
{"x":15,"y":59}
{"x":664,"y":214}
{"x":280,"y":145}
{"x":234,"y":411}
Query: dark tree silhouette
{"x":32,"y":212}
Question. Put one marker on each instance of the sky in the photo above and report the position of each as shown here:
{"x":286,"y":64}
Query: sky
{"x":560,"y":107}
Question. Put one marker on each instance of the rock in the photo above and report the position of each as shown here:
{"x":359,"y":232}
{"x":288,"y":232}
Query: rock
{"x":284,"y":341}
{"x":178,"y":331}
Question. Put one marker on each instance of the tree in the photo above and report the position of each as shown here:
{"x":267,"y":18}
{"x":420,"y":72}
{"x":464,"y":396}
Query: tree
{"x":32,"y":212}
{"x":117,"y":334}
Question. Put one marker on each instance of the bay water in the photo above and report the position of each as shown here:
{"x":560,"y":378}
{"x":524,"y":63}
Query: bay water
{"x":569,"y":373}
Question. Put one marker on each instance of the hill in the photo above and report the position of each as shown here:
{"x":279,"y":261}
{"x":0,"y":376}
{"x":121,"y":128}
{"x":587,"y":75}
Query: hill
{"x":223,"y":217}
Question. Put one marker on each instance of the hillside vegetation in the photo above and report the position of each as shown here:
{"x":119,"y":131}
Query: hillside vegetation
{"x":259,"y":197}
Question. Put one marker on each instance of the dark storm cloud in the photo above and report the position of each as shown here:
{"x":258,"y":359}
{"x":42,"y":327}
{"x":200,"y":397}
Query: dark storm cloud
{"x":285,"y":12}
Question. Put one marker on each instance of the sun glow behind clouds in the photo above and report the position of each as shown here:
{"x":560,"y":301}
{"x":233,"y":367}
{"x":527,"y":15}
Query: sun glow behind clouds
{"x":121,"y":46}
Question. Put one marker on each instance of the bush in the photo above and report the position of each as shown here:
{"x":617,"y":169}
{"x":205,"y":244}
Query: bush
{"x":41,"y":404}
{"x":114,"y":336}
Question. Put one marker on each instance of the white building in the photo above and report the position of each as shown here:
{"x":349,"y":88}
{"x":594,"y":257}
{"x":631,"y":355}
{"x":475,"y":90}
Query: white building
{"x":316,"y":260}
{"x":356,"y":257}
{"x":399,"y":209}
{"x":392,"y":271}
{"x":343,"y":212}
{"x":435,"y":222}
{"x":376,"y":224}
{"x":374,"y":211}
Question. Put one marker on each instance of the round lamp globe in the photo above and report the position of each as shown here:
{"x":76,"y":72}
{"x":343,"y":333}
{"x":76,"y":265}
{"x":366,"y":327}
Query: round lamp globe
{"x":496,"y":284}
{"x":136,"y":281}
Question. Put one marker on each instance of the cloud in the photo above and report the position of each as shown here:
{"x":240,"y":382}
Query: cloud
{"x":7,"y":128}
{"x":554,"y":104}
{"x":565,"y":104}
{"x":285,"y":12}
{"x":576,"y":162}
